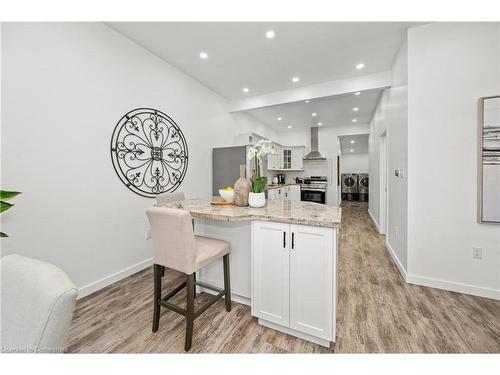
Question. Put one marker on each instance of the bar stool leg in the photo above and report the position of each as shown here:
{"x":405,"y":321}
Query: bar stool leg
{"x":194,"y":287}
{"x":227,"y":286}
{"x":190,"y":311}
{"x":162,"y":271}
{"x":157,"y":269}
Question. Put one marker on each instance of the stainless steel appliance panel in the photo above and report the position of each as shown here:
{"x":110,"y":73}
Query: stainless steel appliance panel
{"x":226,"y":163}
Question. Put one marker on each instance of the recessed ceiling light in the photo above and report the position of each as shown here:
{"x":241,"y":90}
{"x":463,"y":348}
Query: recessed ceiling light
{"x":320,"y":123}
{"x":203,"y":55}
{"x":314,"y":114}
{"x":280,"y":118}
{"x":360,"y":66}
{"x":351,"y":150}
{"x":295,"y":79}
{"x":270,"y":34}
{"x":354,"y":120}
{"x":289,"y":126}
{"x":357,"y":93}
{"x":307,"y":101}
{"x":245,"y":89}
{"x":355,"y":109}
{"x":352,"y":141}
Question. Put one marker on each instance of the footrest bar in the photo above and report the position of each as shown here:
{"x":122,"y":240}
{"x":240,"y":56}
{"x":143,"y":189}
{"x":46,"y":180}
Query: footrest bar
{"x":203,"y":285}
{"x":174,"y":292}
{"x":173,"y":307}
{"x":208,"y":304}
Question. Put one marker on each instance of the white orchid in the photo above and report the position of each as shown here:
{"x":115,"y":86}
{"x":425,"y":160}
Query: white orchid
{"x":257,"y":153}
{"x":261,"y":149}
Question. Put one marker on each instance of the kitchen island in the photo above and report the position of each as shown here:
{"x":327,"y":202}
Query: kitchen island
{"x":283,"y":262}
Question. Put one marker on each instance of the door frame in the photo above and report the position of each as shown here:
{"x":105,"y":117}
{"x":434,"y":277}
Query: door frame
{"x":383,"y":183}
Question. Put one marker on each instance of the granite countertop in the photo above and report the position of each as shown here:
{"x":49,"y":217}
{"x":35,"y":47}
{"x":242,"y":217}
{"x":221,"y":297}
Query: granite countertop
{"x":280,"y":211}
{"x":278,"y":186}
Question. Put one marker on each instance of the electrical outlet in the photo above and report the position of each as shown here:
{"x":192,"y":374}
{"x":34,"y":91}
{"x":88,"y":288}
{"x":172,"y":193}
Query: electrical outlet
{"x":477,"y":253}
{"x":147,"y":234}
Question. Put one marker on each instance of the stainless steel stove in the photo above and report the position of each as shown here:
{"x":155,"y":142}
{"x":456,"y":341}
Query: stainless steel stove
{"x":313,"y":188}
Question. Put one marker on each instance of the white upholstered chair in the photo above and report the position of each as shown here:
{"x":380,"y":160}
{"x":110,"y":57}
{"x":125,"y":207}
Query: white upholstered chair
{"x":38,"y":300}
{"x":165,"y":198}
{"x":176,"y":247}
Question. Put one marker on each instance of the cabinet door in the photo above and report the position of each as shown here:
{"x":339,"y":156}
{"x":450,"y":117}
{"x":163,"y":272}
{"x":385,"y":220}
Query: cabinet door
{"x":278,"y":159}
{"x":297,"y":158}
{"x":271,"y":194}
{"x":285,"y":192}
{"x":287,"y":158}
{"x":311,"y":280}
{"x":270,"y":272}
{"x":271,"y":162}
{"x":294,"y":194}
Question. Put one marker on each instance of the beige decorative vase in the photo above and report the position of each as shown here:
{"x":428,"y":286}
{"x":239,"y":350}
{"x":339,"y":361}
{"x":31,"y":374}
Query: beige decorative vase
{"x":241,"y":189}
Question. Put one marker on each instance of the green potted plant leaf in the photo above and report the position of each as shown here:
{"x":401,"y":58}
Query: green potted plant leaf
{"x":4,"y":206}
{"x":258,"y":183}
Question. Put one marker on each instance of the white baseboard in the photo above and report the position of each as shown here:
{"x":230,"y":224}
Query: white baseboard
{"x":374,"y":221}
{"x":400,"y":267}
{"x":234,"y":297}
{"x":454,"y":286}
{"x":292,"y":332}
{"x":108,"y":280}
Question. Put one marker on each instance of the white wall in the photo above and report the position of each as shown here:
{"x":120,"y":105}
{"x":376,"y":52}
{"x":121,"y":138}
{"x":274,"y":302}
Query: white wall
{"x":391,"y":119}
{"x":450,"y":66}
{"x":328,"y":146}
{"x":64,"y":87}
{"x":246,"y":123}
{"x":354,"y":163}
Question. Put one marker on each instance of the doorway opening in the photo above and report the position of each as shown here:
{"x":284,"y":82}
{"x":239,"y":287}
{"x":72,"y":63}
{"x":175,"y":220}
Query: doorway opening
{"x":353,"y":169}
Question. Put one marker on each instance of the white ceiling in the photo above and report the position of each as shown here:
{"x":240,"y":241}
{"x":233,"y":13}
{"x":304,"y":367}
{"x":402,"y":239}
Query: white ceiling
{"x":240,"y":55}
{"x":330,"y":111}
{"x":359,"y":146}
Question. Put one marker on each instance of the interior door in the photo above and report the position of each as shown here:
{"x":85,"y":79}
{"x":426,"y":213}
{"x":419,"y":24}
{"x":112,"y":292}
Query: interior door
{"x":311,"y":280}
{"x":270,"y":271}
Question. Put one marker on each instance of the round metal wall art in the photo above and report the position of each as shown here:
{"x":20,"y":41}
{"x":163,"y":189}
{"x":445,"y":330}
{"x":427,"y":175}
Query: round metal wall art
{"x":149,"y":152}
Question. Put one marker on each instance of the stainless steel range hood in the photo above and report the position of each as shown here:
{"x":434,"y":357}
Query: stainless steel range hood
{"x":314,"y":154}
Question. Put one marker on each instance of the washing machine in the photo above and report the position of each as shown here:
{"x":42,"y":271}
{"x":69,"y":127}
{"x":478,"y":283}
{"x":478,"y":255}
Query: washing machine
{"x":349,"y":186}
{"x":363,"y":187}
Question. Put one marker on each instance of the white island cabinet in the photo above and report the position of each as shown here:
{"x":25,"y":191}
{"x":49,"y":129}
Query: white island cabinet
{"x":293,"y":279}
{"x":283,"y":262}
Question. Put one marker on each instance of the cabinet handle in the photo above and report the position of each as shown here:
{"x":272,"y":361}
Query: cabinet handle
{"x":293,"y":240}
{"x":284,"y":239}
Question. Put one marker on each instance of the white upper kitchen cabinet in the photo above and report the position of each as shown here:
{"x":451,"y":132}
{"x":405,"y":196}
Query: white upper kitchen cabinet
{"x":275,"y":162}
{"x":286,"y":159}
{"x":298,"y":158}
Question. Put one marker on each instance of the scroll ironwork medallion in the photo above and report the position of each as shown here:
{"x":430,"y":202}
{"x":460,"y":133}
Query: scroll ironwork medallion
{"x":149,"y":152}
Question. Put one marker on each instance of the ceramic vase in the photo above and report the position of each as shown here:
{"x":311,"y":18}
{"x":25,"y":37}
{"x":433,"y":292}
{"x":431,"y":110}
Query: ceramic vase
{"x":257,"y":200}
{"x":241,"y":189}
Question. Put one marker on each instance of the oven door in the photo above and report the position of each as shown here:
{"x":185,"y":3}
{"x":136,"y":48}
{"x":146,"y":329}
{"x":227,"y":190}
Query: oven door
{"x":313,"y":195}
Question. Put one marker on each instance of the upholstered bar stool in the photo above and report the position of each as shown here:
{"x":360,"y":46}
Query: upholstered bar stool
{"x":165,"y":198}
{"x":168,"y":200}
{"x":175,"y":246}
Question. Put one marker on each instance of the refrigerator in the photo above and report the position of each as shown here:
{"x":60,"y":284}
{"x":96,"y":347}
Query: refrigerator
{"x":226,"y":163}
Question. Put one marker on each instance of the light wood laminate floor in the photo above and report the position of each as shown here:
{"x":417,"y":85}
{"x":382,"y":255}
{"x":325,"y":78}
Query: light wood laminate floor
{"x":377,"y":312}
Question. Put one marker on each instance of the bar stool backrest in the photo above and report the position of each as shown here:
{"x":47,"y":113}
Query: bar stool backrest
{"x":164,"y":198}
{"x":173,"y":238}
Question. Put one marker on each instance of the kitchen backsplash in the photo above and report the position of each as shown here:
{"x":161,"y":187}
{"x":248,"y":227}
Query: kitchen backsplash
{"x":311,"y":168}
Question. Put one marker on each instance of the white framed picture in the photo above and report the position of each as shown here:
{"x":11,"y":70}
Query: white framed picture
{"x":489,"y":160}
